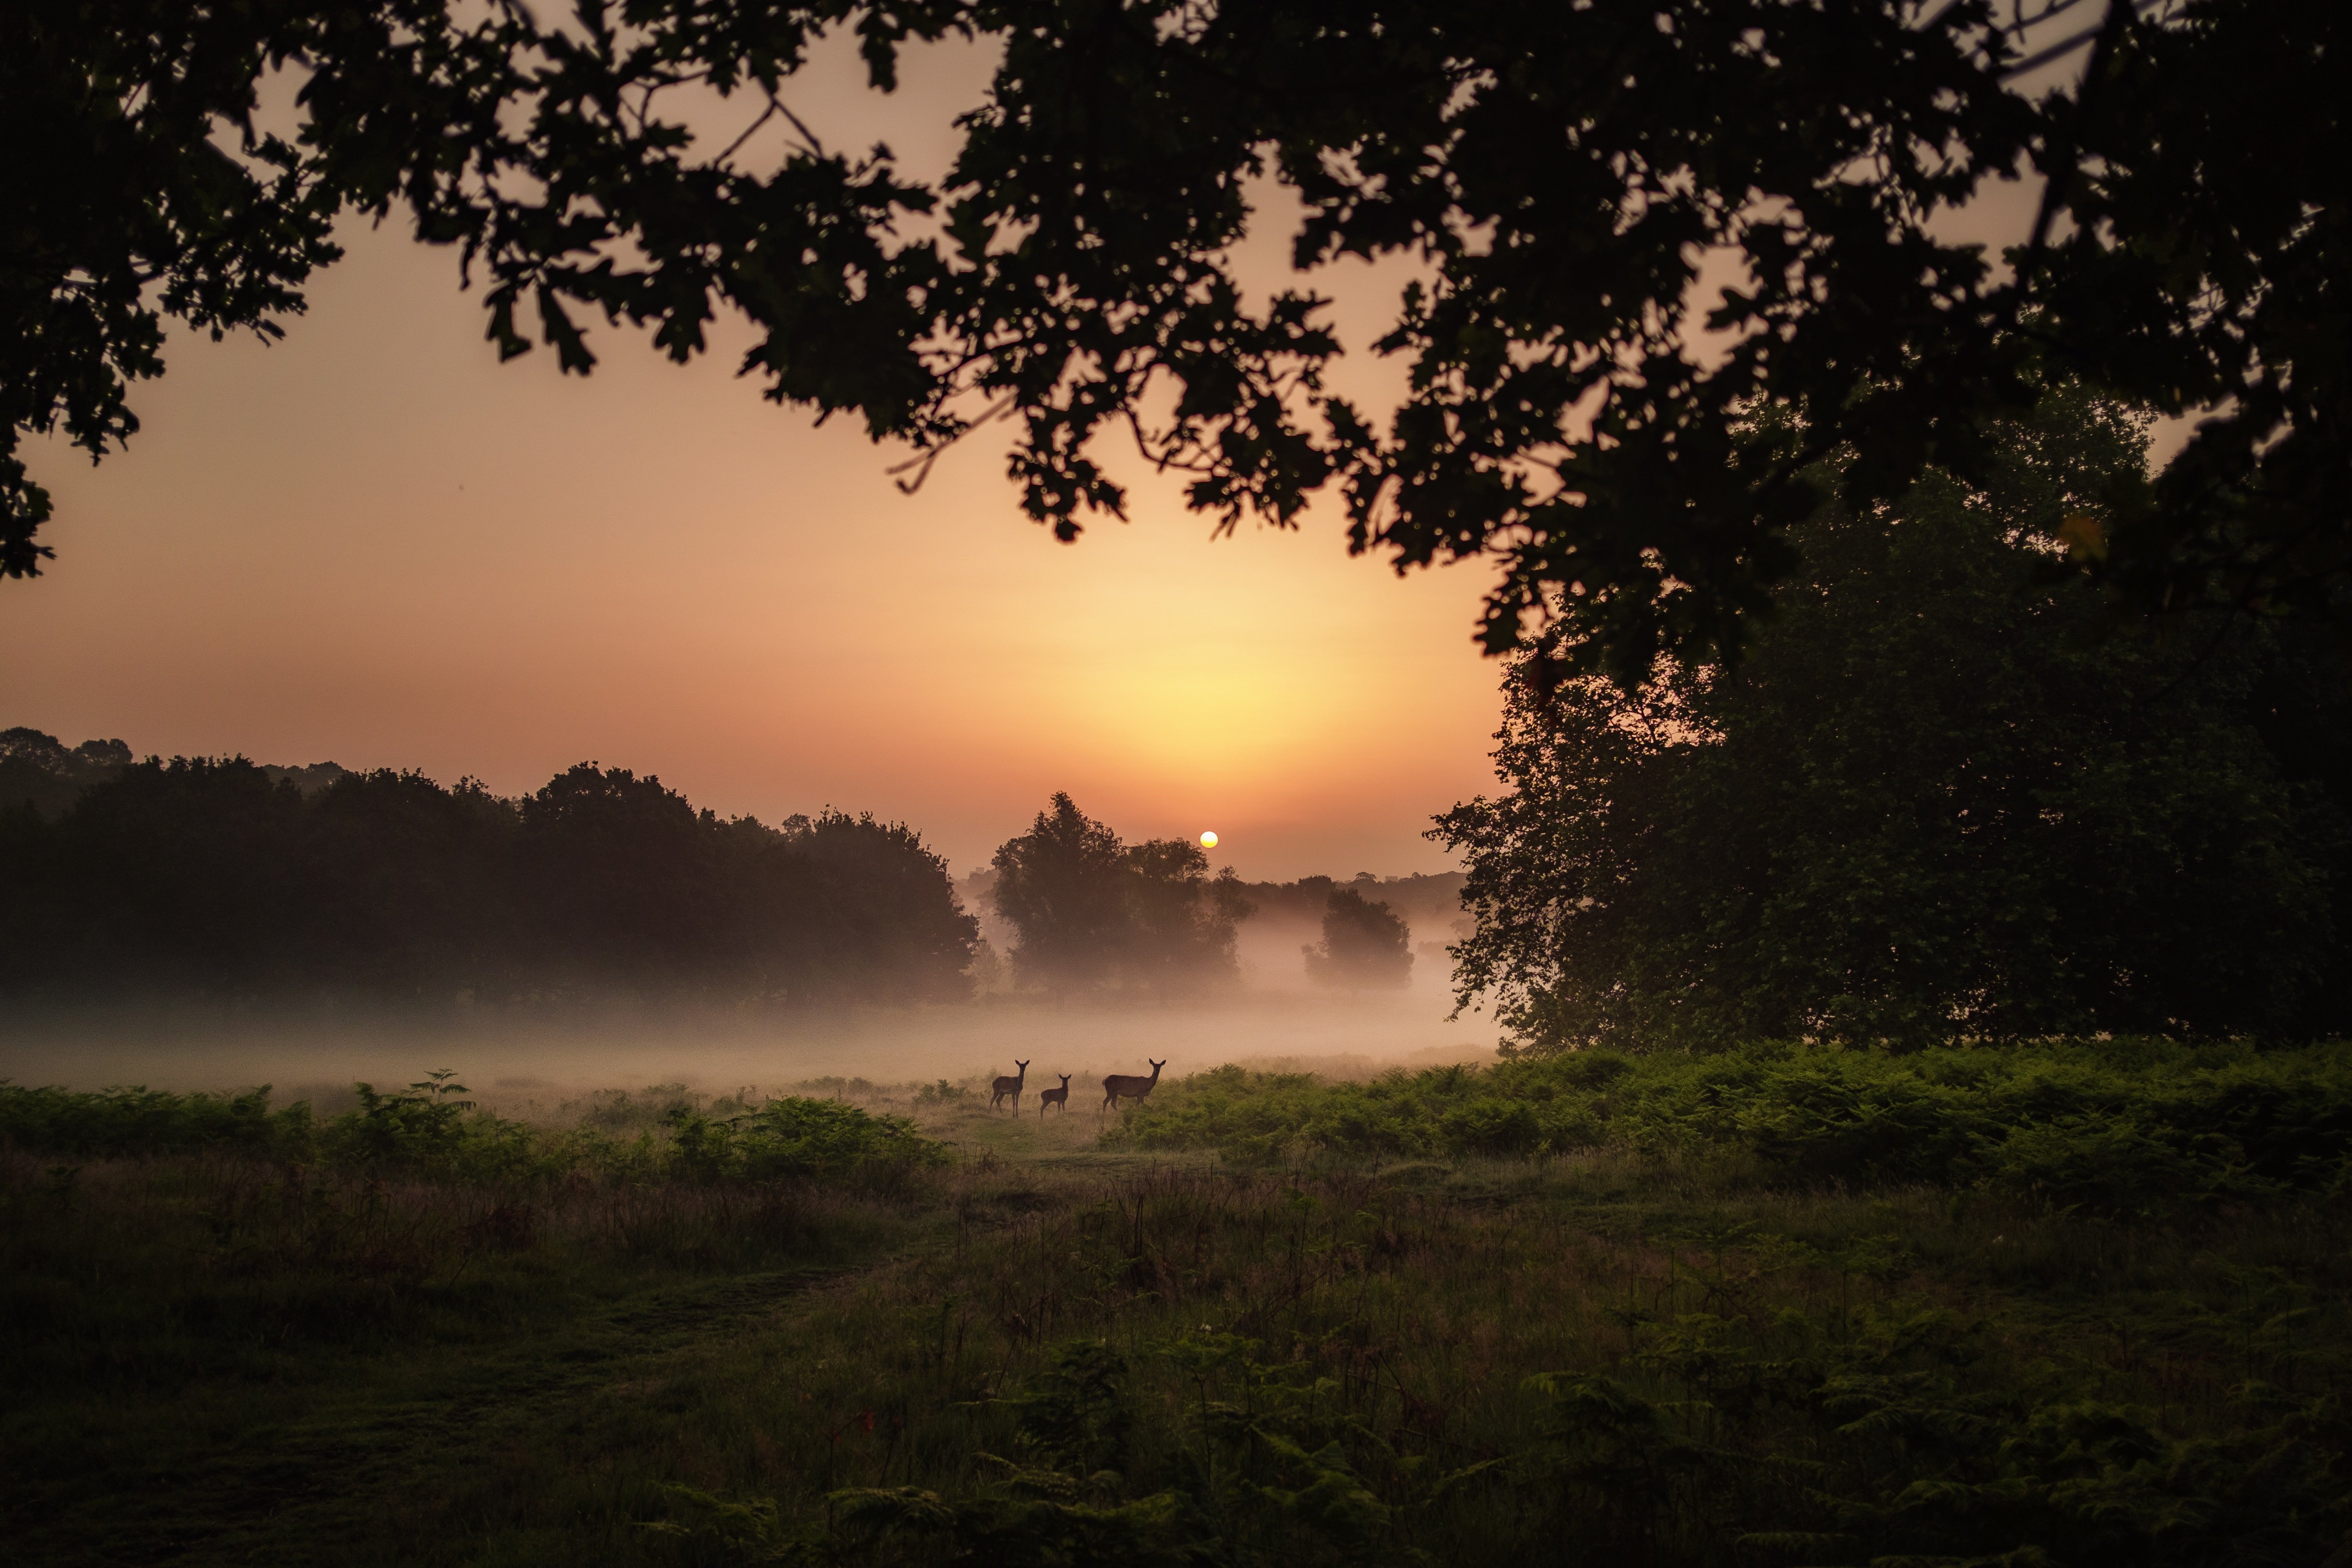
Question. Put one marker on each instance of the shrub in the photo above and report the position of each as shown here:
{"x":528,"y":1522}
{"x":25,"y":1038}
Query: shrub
{"x":794,"y":1136}
{"x":137,"y":1120}
{"x":428,"y":1128}
{"x":2119,"y":1127}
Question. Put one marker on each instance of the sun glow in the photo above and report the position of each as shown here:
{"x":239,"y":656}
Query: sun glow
{"x":1208,"y":841}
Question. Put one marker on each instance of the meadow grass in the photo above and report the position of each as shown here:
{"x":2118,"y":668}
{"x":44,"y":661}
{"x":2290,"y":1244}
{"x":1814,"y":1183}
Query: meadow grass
{"x":1048,"y":1349}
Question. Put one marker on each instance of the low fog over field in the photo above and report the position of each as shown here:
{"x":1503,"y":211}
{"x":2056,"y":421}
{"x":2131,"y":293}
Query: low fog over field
{"x":209,"y":923}
{"x":517,"y":1057}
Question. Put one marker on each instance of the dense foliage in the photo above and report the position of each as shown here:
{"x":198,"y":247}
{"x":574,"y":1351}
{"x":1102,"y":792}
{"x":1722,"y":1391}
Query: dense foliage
{"x":1942,"y":797}
{"x":1558,"y":176}
{"x":2126,"y":1127}
{"x":200,"y":877}
{"x":37,"y":771}
{"x":1096,"y":912}
{"x":1364,"y":945}
{"x":427,"y":1130}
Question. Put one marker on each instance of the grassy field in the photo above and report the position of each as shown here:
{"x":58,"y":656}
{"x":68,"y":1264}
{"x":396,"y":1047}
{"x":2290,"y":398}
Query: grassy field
{"x":2074,"y":1305}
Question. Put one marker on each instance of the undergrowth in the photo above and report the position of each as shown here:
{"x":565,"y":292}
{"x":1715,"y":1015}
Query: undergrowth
{"x":2123,"y":1128}
{"x":427,"y":1130}
{"x":1622,"y":1364}
{"x":1783,"y":1307}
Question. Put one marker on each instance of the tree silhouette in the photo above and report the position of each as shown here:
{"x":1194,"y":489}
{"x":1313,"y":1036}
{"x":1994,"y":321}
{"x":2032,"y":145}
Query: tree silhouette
{"x":1365,"y":946}
{"x":36,"y":771}
{"x":1558,"y":175}
{"x":1062,"y":885}
{"x":1932,"y":803}
{"x":202,"y":878}
{"x":1094,"y":912}
{"x":1182,"y":920}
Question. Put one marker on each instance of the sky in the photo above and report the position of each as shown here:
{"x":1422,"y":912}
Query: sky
{"x":372,"y":543}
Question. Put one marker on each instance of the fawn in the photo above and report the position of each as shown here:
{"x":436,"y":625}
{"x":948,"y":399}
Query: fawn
{"x":1060,"y":1097}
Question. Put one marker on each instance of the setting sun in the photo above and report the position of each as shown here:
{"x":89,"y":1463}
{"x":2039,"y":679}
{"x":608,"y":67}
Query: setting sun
{"x":1208,"y":841}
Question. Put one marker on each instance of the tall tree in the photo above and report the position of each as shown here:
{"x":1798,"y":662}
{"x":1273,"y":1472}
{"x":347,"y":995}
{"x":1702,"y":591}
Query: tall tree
{"x":1095,"y":913}
{"x":1932,"y":803}
{"x":1062,"y":885}
{"x":1566,"y":179}
{"x":1364,"y":945}
{"x":884,"y":921}
{"x":1182,"y":921}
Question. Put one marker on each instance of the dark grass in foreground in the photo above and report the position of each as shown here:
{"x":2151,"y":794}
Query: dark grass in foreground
{"x":1696,"y":1349}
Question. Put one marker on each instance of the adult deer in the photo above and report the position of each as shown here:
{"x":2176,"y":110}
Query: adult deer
{"x":1121,"y":1086}
{"x":1010,"y":1086}
{"x":1060,"y":1097}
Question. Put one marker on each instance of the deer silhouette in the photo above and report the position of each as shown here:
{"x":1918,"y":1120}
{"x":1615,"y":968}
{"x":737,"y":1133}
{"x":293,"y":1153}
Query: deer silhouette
{"x":1010,"y":1086}
{"x":1060,"y":1097}
{"x":1121,"y":1086}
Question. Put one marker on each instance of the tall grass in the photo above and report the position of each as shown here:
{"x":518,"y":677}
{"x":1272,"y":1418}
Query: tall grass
{"x":140,"y":1232}
{"x":1733,"y":1326}
{"x":1610,"y":1363}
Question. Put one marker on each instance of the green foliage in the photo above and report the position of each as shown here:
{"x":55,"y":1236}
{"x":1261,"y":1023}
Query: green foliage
{"x":1093,"y":912}
{"x":1064,"y":1502}
{"x":2125,"y":1128}
{"x":798,"y":1137}
{"x":1675,"y":1362}
{"x":427,"y":1130}
{"x":1809,"y":1445}
{"x":1364,"y":945}
{"x":1722,"y":1389}
{"x":1940,"y":800}
{"x":143,"y":1121}
{"x":425,"y":1127}
{"x":212,"y":878}
{"x":1249,"y":1491}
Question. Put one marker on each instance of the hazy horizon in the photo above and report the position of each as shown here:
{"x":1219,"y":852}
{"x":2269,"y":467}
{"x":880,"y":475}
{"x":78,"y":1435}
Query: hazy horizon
{"x":516,"y":1053}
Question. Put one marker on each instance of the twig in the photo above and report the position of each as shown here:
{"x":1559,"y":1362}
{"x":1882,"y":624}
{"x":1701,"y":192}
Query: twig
{"x":921,"y":462}
{"x":749,"y":131}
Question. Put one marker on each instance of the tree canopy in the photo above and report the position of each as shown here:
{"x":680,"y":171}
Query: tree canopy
{"x":1566,"y":179}
{"x":1930,"y":804}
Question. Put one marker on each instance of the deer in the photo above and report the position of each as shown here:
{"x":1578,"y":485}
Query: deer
{"x":1121,"y":1086}
{"x":1010,"y":1086}
{"x":1060,"y":1097}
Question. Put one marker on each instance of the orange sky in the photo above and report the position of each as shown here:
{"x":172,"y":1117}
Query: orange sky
{"x":374,"y":544}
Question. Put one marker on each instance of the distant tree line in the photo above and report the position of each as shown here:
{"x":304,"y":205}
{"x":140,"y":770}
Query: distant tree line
{"x":1943,"y":797}
{"x":1432,"y":901}
{"x":205,"y":877}
{"x":1367,"y":924}
{"x":38,"y":771}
